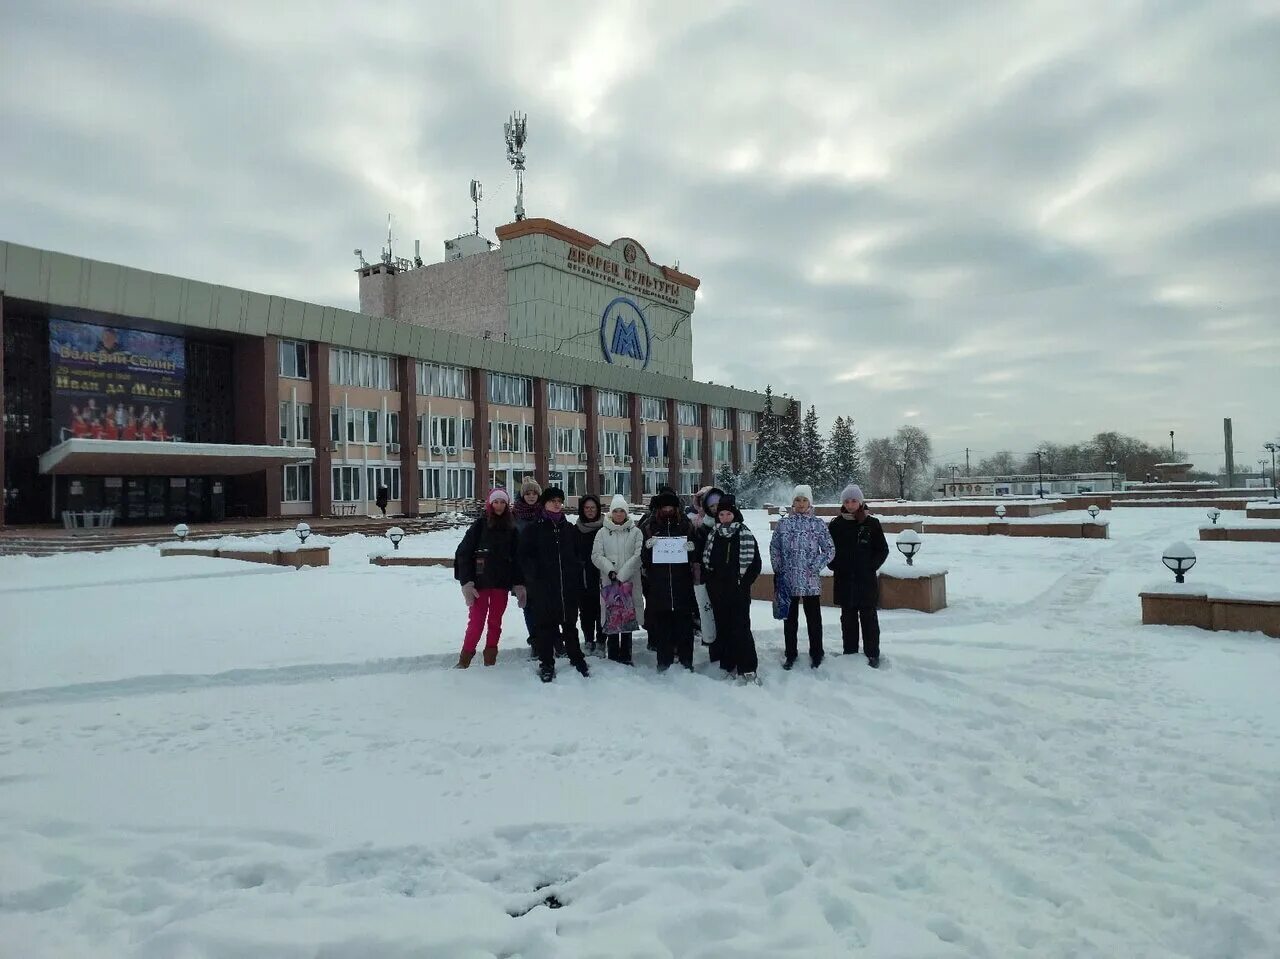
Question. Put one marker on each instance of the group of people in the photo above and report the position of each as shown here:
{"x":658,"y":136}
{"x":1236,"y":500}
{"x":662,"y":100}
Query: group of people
{"x":117,"y":423}
{"x":665,"y":573}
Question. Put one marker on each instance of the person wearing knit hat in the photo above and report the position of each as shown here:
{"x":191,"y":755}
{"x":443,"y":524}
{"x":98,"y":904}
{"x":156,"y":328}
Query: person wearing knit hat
{"x":548,"y":553}
{"x":704,"y":522}
{"x":485,"y":564}
{"x":616,"y":554}
{"x":586,"y":529}
{"x":730,"y":564}
{"x":800,"y":550}
{"x":861,"y":550}
{"x":525,"y":510}
{"x":668,"y":578}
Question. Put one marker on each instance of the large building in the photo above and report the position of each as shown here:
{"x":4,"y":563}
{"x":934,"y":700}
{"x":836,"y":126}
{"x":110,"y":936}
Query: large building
{"x":162,"y":398}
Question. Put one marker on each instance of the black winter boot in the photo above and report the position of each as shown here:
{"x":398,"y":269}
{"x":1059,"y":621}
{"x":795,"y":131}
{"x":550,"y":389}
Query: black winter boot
{"x":581,"y":666}
{"x":546,"y":673}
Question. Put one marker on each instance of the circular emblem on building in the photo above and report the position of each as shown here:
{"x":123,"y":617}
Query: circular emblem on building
{"x":629,"y":252}
{"x":624,"y":334}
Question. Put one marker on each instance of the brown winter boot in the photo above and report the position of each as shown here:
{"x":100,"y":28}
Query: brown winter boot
{"x":490,"y":655}
{"x":465,"y":657}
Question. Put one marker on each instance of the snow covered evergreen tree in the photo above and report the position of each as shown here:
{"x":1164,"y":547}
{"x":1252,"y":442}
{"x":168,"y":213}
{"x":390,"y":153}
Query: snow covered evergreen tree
{"x":771,"y":465}
{"x":844,"y":457}
{"x":813,"y":457}
{"x":727,"y":479}
{"x":791,"y":445}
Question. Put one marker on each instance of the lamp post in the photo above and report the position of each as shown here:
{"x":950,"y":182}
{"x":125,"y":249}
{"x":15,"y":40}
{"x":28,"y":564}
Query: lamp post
{"x":181,"y":531}
{"x":1173,"y":454}
{"x":395,"y":534}
{"x":909,"y":544}
{"x":1111,"y":465}
{"x":1179,"y":558}
{"x":1275,"y":487}
{"x":1039,"y":475}
{"x":303,"y":531}
{"x":1093,"y":512}
{"x":901,"y":467}
{"x":1000,"y":511}
{"x":1213,"y":515}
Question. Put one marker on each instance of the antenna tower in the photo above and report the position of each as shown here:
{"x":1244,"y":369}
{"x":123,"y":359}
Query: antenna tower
{"x":477,"y":194}
{"x":387,"y":256}
{"x":516,"y":133}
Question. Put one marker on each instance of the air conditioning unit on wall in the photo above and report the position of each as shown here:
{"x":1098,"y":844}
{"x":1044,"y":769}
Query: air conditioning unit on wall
{"x":453,"y":451}
{"x":582,"y":457}
{"x":393,"y":447}
{"x":437,"y":450}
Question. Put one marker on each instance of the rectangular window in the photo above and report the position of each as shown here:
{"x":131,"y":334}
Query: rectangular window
{"x":691,"y":448}
{"x":748,"y":421}
{"x":335,"y":424}
{"x":301,"y":422}
{"x":722,"y":452}
{"x":371,"y":423}
{"x":749,"y":452}
{"x":617,"y":443}
{"x":297,"y":483}
{"x":565,"y":440}
{"x":510,"y":390}
{"x":719,"y":417}
{"x":444,"y":433}
{"x":653,"y":409}
{"x":384,"y":476}
{"x":369,"y":370}
{"x":577,"y":483}
{"x":435,"y":379}
{"x":293,"y":360}
{"x":688,"y":414}
{"x":656,"y":450}
{"x":468,"y":440}
{"x":393,"y":427}
{"x":347,"y":484}
{"x":690,"y":481}
{"x":609,"y":403}
{"x":562,"y":396}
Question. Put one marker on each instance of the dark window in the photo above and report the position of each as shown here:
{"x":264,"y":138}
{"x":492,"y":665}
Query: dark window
{"x":210,"y":395}
{"x":27,"y":426}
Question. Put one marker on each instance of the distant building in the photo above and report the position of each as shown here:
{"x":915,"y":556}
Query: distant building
{"x":1030,"y":484}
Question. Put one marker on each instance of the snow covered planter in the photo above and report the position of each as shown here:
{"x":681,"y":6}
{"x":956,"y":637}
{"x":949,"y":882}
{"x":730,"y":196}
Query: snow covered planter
{"x":297,"y":556}
{"x":901,"y":587}
{"x":1242,"y":534}
{"x":379,"y":560}
{"x":301,"y":556}
{"x":189,"y":551}
{"x":1262,"y":510}
{"x":1172,"y":606}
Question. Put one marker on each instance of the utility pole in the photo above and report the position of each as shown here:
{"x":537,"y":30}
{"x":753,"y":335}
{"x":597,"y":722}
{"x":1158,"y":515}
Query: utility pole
{"x":966,"y":461}
{"x":1173,"y":454}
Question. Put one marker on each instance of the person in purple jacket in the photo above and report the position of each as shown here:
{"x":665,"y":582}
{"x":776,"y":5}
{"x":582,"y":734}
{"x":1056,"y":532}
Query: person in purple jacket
{"x":800,"y":550}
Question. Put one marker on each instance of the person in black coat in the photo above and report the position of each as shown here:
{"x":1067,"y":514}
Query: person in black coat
{"x":861,"y":550}
{"x":486,"y":565}
{"x":590,"y":520}
{"x":704,"y":524}
{"x":668,"y":587}
{"x":548,"y":553}
{"x":730,"y":564}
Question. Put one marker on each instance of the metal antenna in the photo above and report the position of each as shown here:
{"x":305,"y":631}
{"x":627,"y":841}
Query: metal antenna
{"x":516,"y":134}
{"x":477,"y":193}
{"x":386,"y":253}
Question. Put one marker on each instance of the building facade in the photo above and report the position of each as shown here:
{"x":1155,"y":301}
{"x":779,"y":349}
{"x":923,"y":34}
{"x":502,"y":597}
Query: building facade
{"x":164,"y":398}
{"x":1029,"y":484}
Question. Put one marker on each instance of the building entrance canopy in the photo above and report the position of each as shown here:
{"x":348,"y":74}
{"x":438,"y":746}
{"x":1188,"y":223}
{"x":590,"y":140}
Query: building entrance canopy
{"x":85,"y":457}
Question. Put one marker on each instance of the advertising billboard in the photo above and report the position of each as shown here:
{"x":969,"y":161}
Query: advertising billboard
{"x":115,"y":384}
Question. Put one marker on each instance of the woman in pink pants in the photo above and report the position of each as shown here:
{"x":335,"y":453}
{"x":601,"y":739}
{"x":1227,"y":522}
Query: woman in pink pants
{"x":485,"y":564}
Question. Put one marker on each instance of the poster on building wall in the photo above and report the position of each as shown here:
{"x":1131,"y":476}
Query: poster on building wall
{"x":114,"y":384}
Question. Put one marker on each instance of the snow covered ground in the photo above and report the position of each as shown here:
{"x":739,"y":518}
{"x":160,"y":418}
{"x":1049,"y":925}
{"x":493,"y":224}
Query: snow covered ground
{"x":206,"y":760}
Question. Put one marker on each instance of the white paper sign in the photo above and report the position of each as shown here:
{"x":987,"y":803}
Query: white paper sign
{"x":670,"y":549}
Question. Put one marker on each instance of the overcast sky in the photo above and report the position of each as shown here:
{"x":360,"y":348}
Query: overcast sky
{"x":1002,"y":222}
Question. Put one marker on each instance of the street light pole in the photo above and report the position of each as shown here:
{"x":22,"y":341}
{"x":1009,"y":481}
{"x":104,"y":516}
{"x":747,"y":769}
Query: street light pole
{"x":1275,"y":487}
{"x":1039,"y":476}
{"x":1173,"y":454}
{"x":1111,"y":465}
{"x":902,"y":479}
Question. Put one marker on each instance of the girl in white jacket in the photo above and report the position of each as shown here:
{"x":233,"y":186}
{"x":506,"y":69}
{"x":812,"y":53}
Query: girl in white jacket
{"x":616,"y":553}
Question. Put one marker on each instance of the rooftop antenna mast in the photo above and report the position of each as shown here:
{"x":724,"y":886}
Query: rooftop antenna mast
{"x":516,"y":133}
{"x":477,"y":194}
{"x":387,"y":256}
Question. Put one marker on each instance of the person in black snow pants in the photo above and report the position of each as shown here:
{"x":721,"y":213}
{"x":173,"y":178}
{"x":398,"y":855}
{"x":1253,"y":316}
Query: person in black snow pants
{"x":525,"y":510}
{"x":668,"y":589}
{"x":730,"y":564}
{"x":861,"y":550}
{"x":553,"y":580}
{"x":586,"y":529}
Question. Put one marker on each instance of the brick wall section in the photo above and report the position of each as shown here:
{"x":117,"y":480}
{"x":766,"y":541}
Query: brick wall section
{"x":408,"y":437}
{"x":467,"y":295}
{"x":591,"y":406}
{"x":541,"y":457}
{"x":322,"y":471}
{"x":637,"y":453}
{"x":257,"y":418}
{"x":378,"y":292}
{"x":1,"y":410}
{"x":673,"y":447}
{"x":480,"y":432}
{"x":736,"y":451}
{"x":708,"y":448}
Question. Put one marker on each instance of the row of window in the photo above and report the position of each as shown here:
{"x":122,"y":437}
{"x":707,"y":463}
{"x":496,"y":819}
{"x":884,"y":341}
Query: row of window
{"x":377,"y":371}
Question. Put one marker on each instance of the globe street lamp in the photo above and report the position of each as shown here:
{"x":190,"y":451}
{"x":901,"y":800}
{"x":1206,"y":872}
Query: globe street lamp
{"x":909,"y":544}
{"x":181,"y":531}
{"x":1000,"y":511}
{"x":395,"y":534}
{"x":1039,"y":475}
{"x":1111,"y":466}
{"x":1213,"y":514}
{"x":1093,"y":512}
{"x":1179,"y":557}
{"x":303,"y":531}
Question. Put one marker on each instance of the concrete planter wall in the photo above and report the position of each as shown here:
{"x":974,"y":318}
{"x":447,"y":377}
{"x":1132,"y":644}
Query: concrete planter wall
{"x":297,"y":557}
{"x":1160,"y":501}
{"x":928,"y":594}
{"x":995,"y":528}
{"x":1262,"y":512}
{"x":1207,"y":612}
{"x":943,"y":508}
{"x":1220,"y":534}
{"x":394,"y":560}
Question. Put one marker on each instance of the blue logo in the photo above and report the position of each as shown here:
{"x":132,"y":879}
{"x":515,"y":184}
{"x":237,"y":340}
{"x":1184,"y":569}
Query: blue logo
{"x":624,"y":332}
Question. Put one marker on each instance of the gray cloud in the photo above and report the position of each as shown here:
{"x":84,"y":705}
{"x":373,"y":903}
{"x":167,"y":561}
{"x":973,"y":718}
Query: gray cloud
{"x":1005,"y":222}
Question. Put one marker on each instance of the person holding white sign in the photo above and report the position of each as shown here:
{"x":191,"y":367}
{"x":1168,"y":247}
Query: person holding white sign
{"x":668,"y":573}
